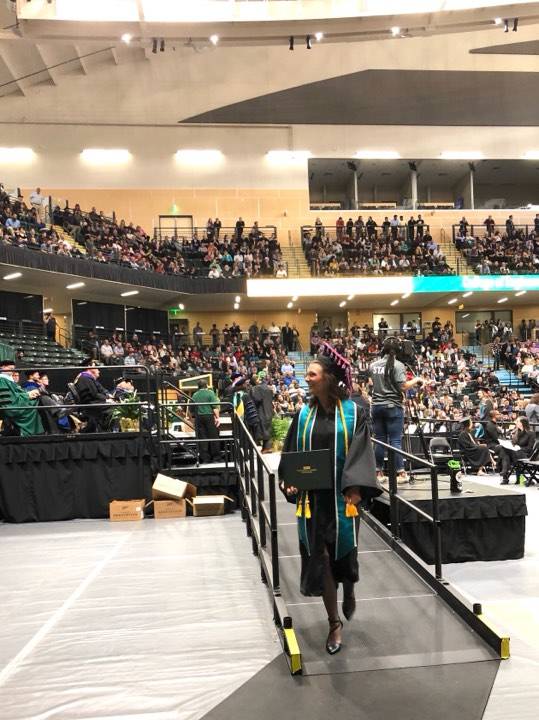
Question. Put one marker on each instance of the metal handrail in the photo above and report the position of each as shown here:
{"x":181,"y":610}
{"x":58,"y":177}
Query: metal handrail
{"x":395,"y":499}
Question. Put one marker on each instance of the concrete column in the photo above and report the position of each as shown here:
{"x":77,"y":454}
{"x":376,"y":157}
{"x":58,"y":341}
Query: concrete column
{"x":472,"y":198}
{"x":413,"y":186}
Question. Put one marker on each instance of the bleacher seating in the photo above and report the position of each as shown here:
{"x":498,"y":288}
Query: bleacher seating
{"x":40,"y":351}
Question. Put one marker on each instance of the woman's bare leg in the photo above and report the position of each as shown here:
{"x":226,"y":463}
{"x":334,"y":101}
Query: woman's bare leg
{"x":330,"y":600}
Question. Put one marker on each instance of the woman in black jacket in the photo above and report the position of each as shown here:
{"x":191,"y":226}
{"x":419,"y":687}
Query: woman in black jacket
{"x":524,"y":438}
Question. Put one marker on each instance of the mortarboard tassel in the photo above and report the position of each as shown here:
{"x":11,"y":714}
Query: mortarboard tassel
{"x":351,"y":510}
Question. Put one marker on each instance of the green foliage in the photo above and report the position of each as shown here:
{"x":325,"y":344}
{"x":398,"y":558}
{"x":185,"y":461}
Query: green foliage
{"x":128,"y":408}
{"x":279,"y":428}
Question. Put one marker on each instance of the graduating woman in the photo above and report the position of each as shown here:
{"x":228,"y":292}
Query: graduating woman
{"x":475,"y":454}
{"x":328,"y":520}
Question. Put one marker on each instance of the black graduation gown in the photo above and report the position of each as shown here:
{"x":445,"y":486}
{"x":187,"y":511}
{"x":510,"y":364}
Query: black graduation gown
{"x":359,"y":470}
{"x":476,"y":455}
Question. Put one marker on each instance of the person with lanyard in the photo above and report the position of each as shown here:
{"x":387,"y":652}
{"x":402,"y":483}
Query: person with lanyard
{"x":328,"y":520}
{"x":388,"y":379}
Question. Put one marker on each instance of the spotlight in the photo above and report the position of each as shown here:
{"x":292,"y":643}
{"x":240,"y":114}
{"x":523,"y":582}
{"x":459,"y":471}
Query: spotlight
{"x":506,"y":25}
{"x":395,"y":31}
{"x":126,"y":38}
{"x":319,"y":36}
{"x":497,"y":21}
{"x":162,"y":45}
{"x":291,"y":42}
{"x":515,"y":24}
{"x":308,"y":42}
{"x":214,"y":39}
{"x":154,"y":45}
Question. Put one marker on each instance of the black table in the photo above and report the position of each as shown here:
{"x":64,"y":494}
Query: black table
{"x":76,"y":476}
{"x":482,"y":523}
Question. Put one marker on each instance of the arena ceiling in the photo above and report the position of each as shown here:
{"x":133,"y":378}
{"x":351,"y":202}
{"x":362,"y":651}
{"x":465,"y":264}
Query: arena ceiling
{"x":445,"y":68}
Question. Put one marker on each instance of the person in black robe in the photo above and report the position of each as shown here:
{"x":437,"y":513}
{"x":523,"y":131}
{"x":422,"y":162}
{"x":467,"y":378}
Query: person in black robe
{"x":475,"y":454}
{"x":327,"y":558}
{"x":523,"y":438}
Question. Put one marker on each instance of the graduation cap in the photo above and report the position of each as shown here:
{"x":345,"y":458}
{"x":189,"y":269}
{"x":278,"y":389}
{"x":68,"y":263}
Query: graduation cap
{"x":332,"y":361}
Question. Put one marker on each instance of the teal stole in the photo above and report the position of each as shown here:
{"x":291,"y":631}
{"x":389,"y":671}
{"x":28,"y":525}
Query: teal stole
{"x":345,"y":426}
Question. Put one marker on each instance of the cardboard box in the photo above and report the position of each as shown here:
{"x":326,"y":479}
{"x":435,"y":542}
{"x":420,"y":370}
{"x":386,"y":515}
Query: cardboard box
{"x":207,"y":505}
{"x":167,"y":488}
{"x":163,"y":509}
{"x":126,"y":510}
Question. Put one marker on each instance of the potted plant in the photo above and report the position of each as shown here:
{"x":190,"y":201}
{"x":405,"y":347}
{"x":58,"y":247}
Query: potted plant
{"x":279,"y":428}
{"x":127,"y":412}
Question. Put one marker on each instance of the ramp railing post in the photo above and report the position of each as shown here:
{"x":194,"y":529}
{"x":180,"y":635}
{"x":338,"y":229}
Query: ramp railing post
{"x":437,"y":531}
{"x":274,"y":540}
{"x":393,"y":502}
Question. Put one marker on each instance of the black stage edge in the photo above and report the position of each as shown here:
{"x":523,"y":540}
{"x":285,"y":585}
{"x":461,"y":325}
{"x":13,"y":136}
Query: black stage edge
{"x":483,"y":523}
{"x":67,"y":477}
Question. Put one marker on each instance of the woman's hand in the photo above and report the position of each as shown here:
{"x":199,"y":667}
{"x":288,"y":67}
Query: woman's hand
{"x":352,"y":495}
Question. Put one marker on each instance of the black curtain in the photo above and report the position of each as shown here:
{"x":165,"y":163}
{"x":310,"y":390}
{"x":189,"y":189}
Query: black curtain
{"x":146,"y":321}
{"x":106,"y":316}
{"x":21,"y":306}
{"x":88,"y":268}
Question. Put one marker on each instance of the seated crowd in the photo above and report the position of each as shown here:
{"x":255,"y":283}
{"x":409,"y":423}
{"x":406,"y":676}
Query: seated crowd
{"x":365,"y":248}
{"x":498,"y":251}
{"x":204,"y":253}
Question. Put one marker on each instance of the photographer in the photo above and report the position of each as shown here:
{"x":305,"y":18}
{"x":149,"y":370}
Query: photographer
{"x":388,"y":379}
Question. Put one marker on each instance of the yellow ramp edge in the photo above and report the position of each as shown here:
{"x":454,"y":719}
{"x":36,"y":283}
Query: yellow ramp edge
{"x":505,"y":641}
{"x":293,"y":650}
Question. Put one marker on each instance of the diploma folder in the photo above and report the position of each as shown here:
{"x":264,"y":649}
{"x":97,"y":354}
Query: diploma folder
{"x":307,"y":470}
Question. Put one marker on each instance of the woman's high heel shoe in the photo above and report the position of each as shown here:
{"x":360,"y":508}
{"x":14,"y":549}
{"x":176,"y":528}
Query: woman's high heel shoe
{"x":333,"y":647}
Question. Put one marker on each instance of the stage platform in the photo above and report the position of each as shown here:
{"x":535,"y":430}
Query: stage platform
{"x":481,"y":523}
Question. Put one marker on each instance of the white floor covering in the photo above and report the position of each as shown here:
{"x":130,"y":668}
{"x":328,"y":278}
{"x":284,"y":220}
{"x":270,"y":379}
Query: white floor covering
{"x":509,"y":593}
{"x":161,"y":620}
{"x":155,"y":619}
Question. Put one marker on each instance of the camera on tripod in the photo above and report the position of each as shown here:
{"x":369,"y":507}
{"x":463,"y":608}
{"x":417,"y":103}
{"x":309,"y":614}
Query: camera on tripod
{"x":404,"y":350}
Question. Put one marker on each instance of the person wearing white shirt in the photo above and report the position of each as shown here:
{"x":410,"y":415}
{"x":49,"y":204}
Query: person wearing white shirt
{"x":36,"y":201}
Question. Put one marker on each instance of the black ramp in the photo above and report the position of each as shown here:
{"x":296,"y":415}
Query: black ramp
{"x":442,"y":692}
{"x":399,"y":623}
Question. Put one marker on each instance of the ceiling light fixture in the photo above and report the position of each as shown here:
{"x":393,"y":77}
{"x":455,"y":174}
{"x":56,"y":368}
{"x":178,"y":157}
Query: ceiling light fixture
{"x":350,"y":297}
{"x":502,"y":300}
{"x":452,"y":301}
{"x":520,"y":292}
{"x":531,"y":155}
{"x":295,"y":298}
{"x":129,"y":293}
{"x":214,"y":39}
{"x":237,"y":299}
{"x":467,"y":294}
{"x":342,"y":303}
{"x":395,"y":31}
{"x":461,"y":155}
{"x":291,"y":42}
{"x":126,"y":38}
{"x":406,"y":295}
{"x":13,"y":276}
{"x":319,"y":36}
{"x":181,"y":306}
{"x":394,"y":302}
{"x":236,"y":306}
{"x":497,"y":21}
{"x":74,"y":286}
{"x":290,"y":305}
{"x":465,"y":315}
{"x":16,"y":155}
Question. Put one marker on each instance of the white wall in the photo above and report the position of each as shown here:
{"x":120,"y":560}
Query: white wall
{"x":57,"y":161}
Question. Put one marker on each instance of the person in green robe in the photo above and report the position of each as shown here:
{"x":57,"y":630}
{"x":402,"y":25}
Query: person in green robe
{"x":20,"y":402}
{"x":328,"y":521}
